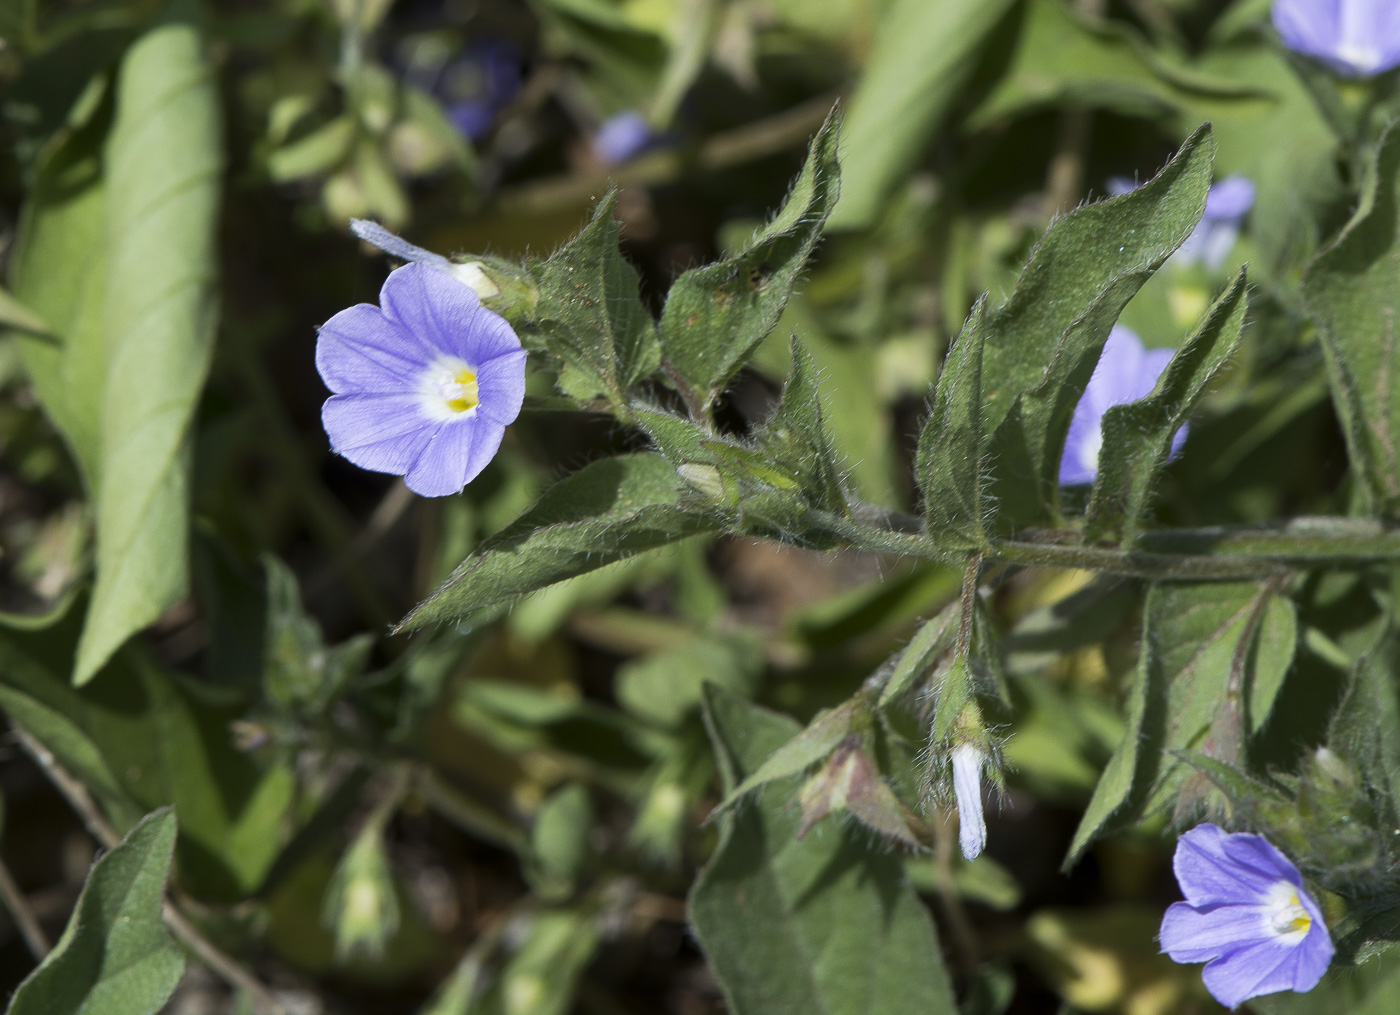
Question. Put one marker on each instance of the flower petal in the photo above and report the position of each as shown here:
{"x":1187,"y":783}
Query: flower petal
{"x":1189,"y":934}
{"x":1209,"y":875}
{"x":445,"y":314}
{"x":456,"y":456}
{"x":1265,"y":967}
{"x":500,"y":383}
{"x":1079,"y":463}
{"x":358,"y":350}
{"x":382,"y":433}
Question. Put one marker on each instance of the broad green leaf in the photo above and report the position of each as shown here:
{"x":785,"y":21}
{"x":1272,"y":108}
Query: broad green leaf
{"x":924,"y":53}
{"x":715,"y":316}
{"x":1188,"y":694}
{"x":1352,"y":290}
{"x":115,"y":956}
{"x":144,"y":346}
{"x":1137,"y":438}
{"x":1273,"y":658}
{"x":606,"y":511}
{"x":589,"y":311}
{"x":58,"y":270}
{"x":823,"y":925}
{"x":990,"y":452}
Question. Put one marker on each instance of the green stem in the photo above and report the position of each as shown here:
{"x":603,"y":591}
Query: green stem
{"x":1227,"y":552}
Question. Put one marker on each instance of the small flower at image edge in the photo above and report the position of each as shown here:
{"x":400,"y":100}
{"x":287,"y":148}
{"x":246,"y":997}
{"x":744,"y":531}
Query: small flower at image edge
{"x":1246,"y":915}
{"x":1125,"y":373}
{"x":423,"y":385}
{"x":1356,"y":38}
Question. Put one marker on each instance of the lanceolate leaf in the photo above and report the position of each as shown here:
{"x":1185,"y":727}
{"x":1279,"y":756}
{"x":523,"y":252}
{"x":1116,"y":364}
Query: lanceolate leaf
{"x":115,"y":957}
{"x":589,"y":310}
{"x":1352,"y":290}
{"x":1189,"y":693}
{"x":715,"y":316}
{"x":1367,"y":725}
{"x":1137,"y":438}
{"x":823,"y":925}
{"x":604,"y":512}
{"x":162,"y":165}
{"x":1038,"y":350}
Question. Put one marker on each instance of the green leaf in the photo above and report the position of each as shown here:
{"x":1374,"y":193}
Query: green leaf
{"x":664,"y":687}
{"x":115,"y":956}
{"x":933,"y":639}
{"x":821,"y":925}
{"x":924,"y":53}
{"x":559,"y":845}
{"x":715,"y":316}
{"x":990,"y":452}
{"x":298,"y":669}
{"x":58,"y":271}
{"x":142,"y":738}
{"x":948,"y":462}
{"x":797,"y":439}
{"x":803,"y":750}
{"x":606,"y":511}
{"x":1352,"y":290}
{"x":1273,"y":659}
{"x":1366,"y":728}
{"x":133,"y":339}
{"x":589,"y":312}
{"x":1188,"y":694}
{"x":1137,"y":438}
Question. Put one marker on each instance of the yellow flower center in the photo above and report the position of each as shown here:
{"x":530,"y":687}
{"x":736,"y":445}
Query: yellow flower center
{"x":458,"y":390}
{"x":1286,"y":916}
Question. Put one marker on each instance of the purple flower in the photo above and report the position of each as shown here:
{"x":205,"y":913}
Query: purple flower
{"x":1246,"y":914}
{"x":1125,"y":373}
{"x":1357,"y":38}
{"x":476,"y":86}
{"x":1227,"y":203}
{"x":621,"y":137}
{"x":424,"y":384}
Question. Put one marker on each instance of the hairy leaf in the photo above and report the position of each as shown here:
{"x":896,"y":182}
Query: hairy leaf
{"x":115,"y":956}
{"x":589,"y":310}
{"x":715,"y":316}
{"x":1137,"y":438}
{"x":608,"y":510}
{"x":822,"y":925}
{"x":1196,"y":665}
{"x":1352,"y":289}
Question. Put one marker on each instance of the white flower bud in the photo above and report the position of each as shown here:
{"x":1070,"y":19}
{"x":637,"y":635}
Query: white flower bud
{"x":968,"y":760}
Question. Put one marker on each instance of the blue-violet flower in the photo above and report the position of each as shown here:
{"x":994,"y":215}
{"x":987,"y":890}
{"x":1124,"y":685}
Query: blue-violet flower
{"x":424,"y":384}
{"x":1246,"y":914}
{"x":621,"y":137}
{"x":1125,"y":373}
{"x":1356,"y":38}
{"x":968,"y":760}
{"x":1227,"y":204}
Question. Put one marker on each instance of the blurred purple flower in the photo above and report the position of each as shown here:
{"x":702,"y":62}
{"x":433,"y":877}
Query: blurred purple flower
{"x":478,"y":84}
{"x":968,"y":760}
{"x":1356,"y":38}
{"x":621,"y":137}
{"x":1246,"y":914}
{"x":1125,"y":373}
{"x":424,"y":384}
{"x":1227,"y":204}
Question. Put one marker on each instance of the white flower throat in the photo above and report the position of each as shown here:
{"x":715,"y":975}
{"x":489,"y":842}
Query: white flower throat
{"x":448,"y":389}
{"x":1284,"y":915}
